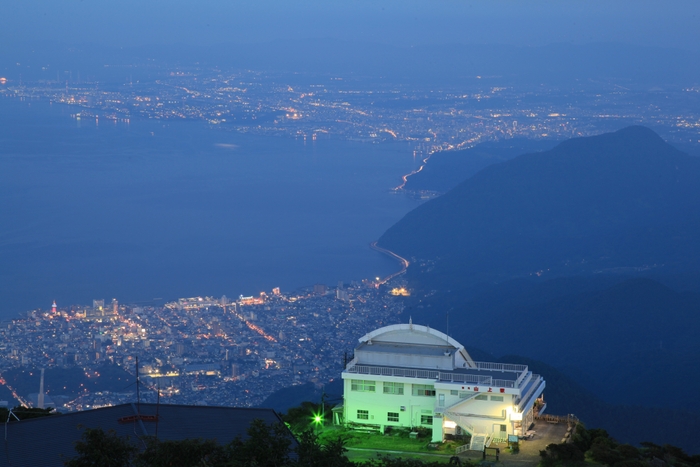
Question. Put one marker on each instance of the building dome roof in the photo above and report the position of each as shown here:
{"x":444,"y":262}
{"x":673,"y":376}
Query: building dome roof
{"x":416,"y":335}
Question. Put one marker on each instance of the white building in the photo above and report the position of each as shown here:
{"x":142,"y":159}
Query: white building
{"x":406,"y":375}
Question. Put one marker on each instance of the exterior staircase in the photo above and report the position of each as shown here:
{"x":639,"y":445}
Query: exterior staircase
{"x":478,"y":442}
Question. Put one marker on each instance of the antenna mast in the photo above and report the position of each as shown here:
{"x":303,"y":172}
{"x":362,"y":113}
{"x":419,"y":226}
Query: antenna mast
{"x":158,"y":409}
{"x":138,"y":388}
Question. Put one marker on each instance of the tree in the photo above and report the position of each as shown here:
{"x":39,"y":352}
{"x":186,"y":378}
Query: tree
{"x":182,"y":453}
{"x":300,"y":418}
{"x":98,"y":448}
{"x":266,"y":446}
{"x":311,"y":453}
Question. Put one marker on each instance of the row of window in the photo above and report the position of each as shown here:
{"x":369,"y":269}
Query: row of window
{"x":484,"y":397}
{"x":394,"y":417}
{"x":416,"y":390}
{"x":362,"y":386}
{"x":391,"y":388}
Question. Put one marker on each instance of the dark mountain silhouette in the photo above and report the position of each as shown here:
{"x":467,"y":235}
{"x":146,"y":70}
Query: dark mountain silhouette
{"x":626,"y":422}
{"x":586,"y":257}
{"x":625,"y":340}
{"x":448,"y":169}
{"x":284,"y":399}
{"x":618,"y":202}
{"x":645,"y":312}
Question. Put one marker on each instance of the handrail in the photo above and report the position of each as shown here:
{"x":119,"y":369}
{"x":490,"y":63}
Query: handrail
{"x":461,"y":449}
{"x":442,"y":376}
{"x":503,"y":416}
{"x":536,"y":384}
{"x":351,"y":363}
{"x":493,"y":366}
{"x":460,"y":421}
{"x":522,"y":377}
{"x":470,"y":396}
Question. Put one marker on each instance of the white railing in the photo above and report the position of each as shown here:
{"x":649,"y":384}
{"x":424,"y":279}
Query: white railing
{"x":522,"y":376}
{"x":459,"y":420}
{"x":462,"y":448}
{"x":492,"y":366}
{"x":351,"y":363}
{"x":536,"y":384}
{"x":442,"y":376}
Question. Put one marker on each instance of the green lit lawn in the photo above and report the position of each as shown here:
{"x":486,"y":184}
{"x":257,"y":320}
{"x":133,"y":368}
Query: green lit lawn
{"x":362,"y":456}
{"x":410,"y":448}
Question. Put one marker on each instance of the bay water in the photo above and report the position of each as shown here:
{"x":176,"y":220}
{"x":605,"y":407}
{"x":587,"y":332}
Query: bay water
{"x":166,"y":209}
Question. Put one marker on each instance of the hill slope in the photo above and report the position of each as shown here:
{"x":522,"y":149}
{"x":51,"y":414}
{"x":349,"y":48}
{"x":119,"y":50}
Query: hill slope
{"x":448,"y":169}
{"x":617,"y":201}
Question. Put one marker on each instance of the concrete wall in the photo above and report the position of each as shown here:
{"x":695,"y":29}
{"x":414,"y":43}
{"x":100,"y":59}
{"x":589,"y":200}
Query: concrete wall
{"x":379,"y":404}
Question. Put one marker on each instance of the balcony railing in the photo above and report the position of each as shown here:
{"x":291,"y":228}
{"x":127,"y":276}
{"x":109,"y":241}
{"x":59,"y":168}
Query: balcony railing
{"x":492,"y":366}
{"x":441,"y":376}
{"x":536,"y":381}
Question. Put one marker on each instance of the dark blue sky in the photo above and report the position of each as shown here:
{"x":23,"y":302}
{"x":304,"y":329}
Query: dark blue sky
{"x":398,"y":22}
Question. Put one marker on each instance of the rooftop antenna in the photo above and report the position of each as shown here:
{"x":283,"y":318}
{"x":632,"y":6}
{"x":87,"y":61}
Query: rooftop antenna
{"x":447,"y":317}
{"x":447,"y":334}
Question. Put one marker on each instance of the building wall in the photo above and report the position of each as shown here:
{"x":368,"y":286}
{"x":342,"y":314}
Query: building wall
{"x":477,"y":408}
{"x":485,"y":412}
{"x":412,"y":410}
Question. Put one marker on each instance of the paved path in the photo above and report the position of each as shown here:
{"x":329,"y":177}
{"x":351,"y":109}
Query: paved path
{"x":529,"y":455}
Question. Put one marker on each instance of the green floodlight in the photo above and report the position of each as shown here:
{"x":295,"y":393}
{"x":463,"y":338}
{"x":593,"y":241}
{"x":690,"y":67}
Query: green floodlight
{"x":317,"y":419}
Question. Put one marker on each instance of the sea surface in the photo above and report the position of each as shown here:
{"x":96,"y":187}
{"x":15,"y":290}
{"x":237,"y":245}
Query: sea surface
{"x":165,"y":209}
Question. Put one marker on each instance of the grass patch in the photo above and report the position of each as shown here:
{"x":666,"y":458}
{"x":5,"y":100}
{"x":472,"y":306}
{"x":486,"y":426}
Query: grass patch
{"x":364,"y":456}
{"x":395,"y":441}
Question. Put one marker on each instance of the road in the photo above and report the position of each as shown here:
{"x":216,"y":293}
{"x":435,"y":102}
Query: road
{"x":404,"y":263}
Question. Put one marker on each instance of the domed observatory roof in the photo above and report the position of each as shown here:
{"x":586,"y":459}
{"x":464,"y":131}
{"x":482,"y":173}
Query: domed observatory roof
{"x":412,"y":346}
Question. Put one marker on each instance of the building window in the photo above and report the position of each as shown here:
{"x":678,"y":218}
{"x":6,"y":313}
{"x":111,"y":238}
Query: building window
{"x":426,"y":419}
{"x":423,"y":390}
{"x":362,"y":385}
{"x":497,"y":398}
{"x":441,"y":400}
{"x":464,"y":394}
{"x":393,"y":388}
{"x":392,"y":417}
{"x":482,"y":397}
{"x":363,"y":414}
{"x":453,"y":392}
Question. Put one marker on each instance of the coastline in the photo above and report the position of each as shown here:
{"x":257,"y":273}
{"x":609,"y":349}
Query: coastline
{"x":403,"y":261}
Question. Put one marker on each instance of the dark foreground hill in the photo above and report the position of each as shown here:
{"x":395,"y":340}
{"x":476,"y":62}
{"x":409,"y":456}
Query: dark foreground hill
{"x":623,"y":201}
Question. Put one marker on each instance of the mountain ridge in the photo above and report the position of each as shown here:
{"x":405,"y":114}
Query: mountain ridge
{"x":592,"y":203}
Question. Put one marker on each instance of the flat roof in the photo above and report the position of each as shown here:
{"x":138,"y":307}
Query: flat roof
{"x":407,"y":349}
{"x":495,"y":374}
